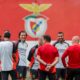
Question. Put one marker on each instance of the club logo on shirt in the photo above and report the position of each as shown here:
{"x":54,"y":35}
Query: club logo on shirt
{"x":35,"y":24}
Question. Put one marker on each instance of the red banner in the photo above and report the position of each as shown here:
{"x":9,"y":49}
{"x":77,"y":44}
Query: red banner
{"x":64,"y":15}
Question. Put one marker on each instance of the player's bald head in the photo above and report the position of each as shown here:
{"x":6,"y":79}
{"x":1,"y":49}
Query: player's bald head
{"x":76,"y":39}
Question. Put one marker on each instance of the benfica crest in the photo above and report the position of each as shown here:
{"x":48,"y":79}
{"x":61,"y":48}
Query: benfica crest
{"x":35,"y":24}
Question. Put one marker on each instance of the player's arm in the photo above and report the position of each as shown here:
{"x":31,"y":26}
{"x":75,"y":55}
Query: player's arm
{"x":56,"y":58}
{"x":15,"y":54}
{"x":41,"y":61}
{"x":39,"y":57}
{"x":55,"y":61}
{"x":64,"y":58}
{"x":31,"y":54}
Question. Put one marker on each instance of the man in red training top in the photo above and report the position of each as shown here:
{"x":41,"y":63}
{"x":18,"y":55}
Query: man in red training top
{"x":73,"y":64}
{"x":48,"y":58}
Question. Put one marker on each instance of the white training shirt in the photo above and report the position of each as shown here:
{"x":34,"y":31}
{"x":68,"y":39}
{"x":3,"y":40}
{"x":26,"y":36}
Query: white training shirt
{"x":6,"y":48}
{"x":22,"y":47}
{"x":61,"y":49}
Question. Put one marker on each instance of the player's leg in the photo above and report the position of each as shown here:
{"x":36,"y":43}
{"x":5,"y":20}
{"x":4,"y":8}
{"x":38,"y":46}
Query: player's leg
{"x":77,"y":74}
{"x":5,"y":75}
{"x":77,"y":77}
{"x":43,"y":75}
{"x":0,"y":76}
{"x":19,"y":72}
{"x":70,"y":74}
{"x":51,"y":76}
{"x":24,"y":72}
{"x":13,"y":74}
{"x":58,"y":73}
{"x":63,"y":74}
{"x":34,"y":73}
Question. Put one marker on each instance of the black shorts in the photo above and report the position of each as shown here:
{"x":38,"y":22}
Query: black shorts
{"x":61,"y":73}
{"x":44,"y":75}
{"x":5,"y":75}
{"x":21,"y":71}
{"x":34,"y":73}
{"x":73,"y":74}
{"x":0,"y":76}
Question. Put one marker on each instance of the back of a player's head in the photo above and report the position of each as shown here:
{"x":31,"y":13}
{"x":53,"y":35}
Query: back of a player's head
{"x":75,"y":39}
{"x":47,"y":38}
{"x":7,"y":34}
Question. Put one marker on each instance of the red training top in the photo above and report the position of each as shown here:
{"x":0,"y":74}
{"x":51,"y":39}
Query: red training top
{"x":47,"y":53}
{"x":73,"y":54}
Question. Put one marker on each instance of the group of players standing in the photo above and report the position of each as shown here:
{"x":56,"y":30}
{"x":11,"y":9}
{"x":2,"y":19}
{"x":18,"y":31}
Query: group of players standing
{"x":57,"y":61}
{"x":13,"y":57}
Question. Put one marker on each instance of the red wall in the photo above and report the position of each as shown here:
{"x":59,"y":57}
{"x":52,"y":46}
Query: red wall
{"x":64,"y":15}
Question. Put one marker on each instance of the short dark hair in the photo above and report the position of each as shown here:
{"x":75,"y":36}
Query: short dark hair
{"x":60,"y":33}
{"x":7,"y":34}
{"x":22,"y":32}
{"x":47,"y":38}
